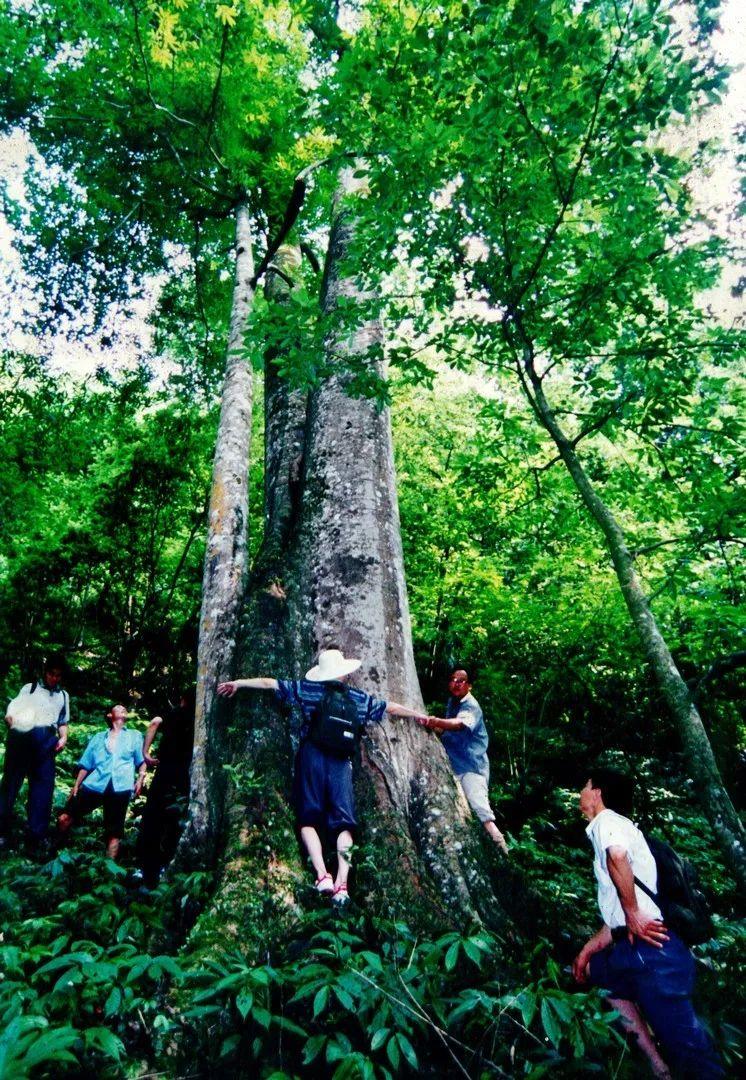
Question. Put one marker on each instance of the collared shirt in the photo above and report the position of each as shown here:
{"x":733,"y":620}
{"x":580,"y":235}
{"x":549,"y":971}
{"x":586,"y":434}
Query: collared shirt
{"x":305,"y":695}
{"x":35,"y":705}
{"x":609,"y":829}
{"x":115,"y":766}
{"x":467,"y":747}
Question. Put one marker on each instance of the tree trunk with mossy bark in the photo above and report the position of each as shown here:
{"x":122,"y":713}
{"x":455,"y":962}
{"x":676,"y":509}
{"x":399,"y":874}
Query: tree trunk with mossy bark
{"x":330,"y":574}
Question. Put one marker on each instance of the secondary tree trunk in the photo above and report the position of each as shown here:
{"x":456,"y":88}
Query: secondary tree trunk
{"x":225,"y":558}
{"x":262,"y":875}
{"x":700,"y":759}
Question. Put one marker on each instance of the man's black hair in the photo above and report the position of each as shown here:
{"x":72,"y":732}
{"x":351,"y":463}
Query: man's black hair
{"x":466,"y":671}
{"x":55,"y":661}
{"x":616,"y":789}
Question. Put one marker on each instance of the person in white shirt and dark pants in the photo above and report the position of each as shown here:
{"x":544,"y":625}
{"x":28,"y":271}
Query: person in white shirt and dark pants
{"x":646,"y":968}
{"x":37,"y":719}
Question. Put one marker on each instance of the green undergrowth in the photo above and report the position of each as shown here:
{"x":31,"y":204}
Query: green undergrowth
{"x":85,"y":993}
{"x":100,"y":979}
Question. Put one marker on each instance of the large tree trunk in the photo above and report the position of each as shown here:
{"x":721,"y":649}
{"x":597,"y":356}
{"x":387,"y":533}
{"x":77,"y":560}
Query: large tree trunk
{"x":353,"y":594}
{"x":334,"y":575}
{"x":700,"y":759}
{"x":225,"y":558}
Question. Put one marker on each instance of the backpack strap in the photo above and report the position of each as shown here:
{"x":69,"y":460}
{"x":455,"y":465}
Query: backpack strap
{"x":653,"y":896}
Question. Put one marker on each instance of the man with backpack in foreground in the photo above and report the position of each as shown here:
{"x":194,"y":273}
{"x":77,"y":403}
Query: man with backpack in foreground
{"x":638,"y":955}
{"x":333,"y":718}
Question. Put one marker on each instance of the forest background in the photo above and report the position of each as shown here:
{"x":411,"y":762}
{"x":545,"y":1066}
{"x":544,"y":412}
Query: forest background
{"x":519,"y":191}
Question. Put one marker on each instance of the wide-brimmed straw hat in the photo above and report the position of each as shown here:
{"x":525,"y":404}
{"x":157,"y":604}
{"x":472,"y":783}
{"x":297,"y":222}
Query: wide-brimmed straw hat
{"x":331,"y":665}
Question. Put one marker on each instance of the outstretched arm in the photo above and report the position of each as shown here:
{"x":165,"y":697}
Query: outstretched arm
{"x":228,"y":689}
{"x":393,"y":708}
{"x":436,"y":723}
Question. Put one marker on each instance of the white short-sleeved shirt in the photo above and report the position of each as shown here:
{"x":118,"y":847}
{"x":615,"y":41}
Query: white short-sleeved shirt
{"x":36,"y":705}
{"x":609,"y":829}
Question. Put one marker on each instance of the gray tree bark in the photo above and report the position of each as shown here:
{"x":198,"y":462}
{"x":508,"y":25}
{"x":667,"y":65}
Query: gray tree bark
{"x":353,"y":594}
{"x":330,"y":572}
{"x":700,"y":759}
{"x":226,"y":555}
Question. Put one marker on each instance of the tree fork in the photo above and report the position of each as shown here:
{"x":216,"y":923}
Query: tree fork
{"x":702,"y":766}
{"x":261,"y":872}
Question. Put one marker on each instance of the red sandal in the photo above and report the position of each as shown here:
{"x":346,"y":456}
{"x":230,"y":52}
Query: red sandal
{"x":324,"y":884}
{"x":340,"y":895}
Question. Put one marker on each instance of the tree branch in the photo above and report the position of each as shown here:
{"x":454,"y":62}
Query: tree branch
{"x":722,"y":666}
{"x":585,"y":146}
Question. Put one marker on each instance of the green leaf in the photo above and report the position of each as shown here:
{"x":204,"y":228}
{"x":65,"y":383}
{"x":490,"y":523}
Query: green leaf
{"x":379,"y":1038}
{"x":229,"y":1045}
{"x":344,"y":999}
{"x":527,"y":1003}
{"x":549,"y":1022}
{"x":407,"y":1049}
{"x":100,"y":1038}
{"x":244,"y":1002}
{"x":320,"y":1001}
{"x":451,"y":958}
{"x":263,"y":1017}
{"x":313,"y":1048}
{"x":113,"y":1001}
{"x":472,"y":951}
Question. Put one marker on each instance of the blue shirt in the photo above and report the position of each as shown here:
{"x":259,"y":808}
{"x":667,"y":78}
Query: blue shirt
{"x":467,"y":747}
{"x":305,"y":695}
{"x":117,"y":768}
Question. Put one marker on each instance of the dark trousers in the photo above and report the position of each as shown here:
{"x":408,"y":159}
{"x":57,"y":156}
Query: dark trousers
{"x":660,"y":982}
{"x":162,"y":820}
{"x":323,"y":791}
{"x":115,"y":805}
{"x":29,"y":755}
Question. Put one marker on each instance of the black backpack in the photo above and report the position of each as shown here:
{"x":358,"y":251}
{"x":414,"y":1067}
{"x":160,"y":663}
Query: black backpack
{"x":683,"y":904}
{"x":335,"y":727}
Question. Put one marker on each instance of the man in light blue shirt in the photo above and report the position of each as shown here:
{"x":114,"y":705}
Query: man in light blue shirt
{"x":465,"y":741}
{"x":106,"y":778}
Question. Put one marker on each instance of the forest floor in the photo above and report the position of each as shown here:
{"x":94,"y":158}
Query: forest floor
{"x":97,"y":982}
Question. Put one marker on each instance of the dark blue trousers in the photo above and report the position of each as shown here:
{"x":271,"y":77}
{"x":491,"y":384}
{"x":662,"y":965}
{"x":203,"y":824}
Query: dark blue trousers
{"x":322,"y":790}
{"x":660,"y":982}
{"x":29,"y":755}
